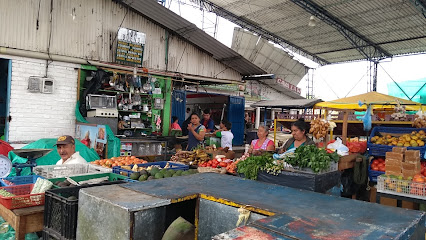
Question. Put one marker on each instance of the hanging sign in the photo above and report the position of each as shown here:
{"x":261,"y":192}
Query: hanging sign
{"x":288,"y":85}
{"x":130,"y":47}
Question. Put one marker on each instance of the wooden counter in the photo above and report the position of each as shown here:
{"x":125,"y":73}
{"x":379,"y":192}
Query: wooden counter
{"x":24,"y":220}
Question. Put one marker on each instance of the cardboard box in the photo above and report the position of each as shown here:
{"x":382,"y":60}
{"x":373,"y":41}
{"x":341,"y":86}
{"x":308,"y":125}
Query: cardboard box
{"x":409,"y":173}
{"x":411,"y":166}
{"x":395,"y":155}
{"x":397,"y":173}
{"x":399,"y":149}
{"x":412,"y":154}
{"x":412,"y":159}
{"x":393,"y":168}
{"x":391,"y":161}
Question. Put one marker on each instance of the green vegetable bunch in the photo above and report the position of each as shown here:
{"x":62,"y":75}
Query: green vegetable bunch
{"x":251,"y":165}
{"x":310,"y":156}
{"x":272,"y":168}
{"x":5,"y":193}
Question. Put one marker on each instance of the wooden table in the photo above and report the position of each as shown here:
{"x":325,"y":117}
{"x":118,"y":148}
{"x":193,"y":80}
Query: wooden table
{"x":24,"y":220}
{"x":399,"y":198}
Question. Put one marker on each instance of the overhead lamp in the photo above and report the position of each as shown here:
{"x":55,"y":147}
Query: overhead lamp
{"x":312,"y":21}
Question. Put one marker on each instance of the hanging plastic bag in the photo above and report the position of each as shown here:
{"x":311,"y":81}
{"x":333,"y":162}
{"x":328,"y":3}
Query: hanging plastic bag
{"x":341,"y":149}
{"x":366,"y":119}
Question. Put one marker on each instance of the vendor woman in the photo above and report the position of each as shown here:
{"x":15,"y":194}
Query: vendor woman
{"x":299,"y":130}
{"x":262,"y":143}
{"x":196,"y":132}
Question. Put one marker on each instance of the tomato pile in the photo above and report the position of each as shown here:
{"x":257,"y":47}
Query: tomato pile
{"x":423,"y":171}
{"x":378,"y":164}
{"x":118,"y":161}
{"x":215,"y":163}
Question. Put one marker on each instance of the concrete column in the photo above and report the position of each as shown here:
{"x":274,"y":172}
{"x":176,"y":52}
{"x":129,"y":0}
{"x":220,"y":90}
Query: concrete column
{"x":272,"y":115}
{"x":257,"y":122}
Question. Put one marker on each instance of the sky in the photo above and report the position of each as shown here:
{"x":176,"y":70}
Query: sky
{"x":331,"y":81}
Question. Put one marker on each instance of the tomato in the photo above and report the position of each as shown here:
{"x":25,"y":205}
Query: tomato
{"x":376,"y":161}
{"x":214,"y":165}
{"x":382,"y":168}
{"x":209,"y":164}
{"x":374,"y":168}
{"x":223,"y":164}
{"x":215,"y":161}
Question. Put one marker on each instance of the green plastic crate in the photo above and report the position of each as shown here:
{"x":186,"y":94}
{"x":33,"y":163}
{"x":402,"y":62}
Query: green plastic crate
{"x":111,"y":177}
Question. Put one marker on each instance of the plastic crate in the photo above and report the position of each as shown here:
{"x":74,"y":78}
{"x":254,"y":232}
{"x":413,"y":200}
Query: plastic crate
{"x":60,"y":213}
{"x":111,"y":177}
{"x":380,"y":150}
{"x":401,"y":187}
{"x":56,"y":171}
{"x":372,"y":175}
{"x":46,"y":236}
{"x":23,"y":197}
{"x":19,"y":180}
{"x":97,"y":168}
{"x":162,"y":164}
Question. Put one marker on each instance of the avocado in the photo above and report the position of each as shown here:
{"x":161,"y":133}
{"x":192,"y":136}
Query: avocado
{"x":171,"y":171}
{"x":66,"y":182}
{"x":176,"y":175}
{"x":185,"y":173}
{"x":134,"y":176}
{"x":159,"y":175}
{"x":163,"y":170}
{"x":154,"y":171}
{"x":179,"y":172}
{"x":57,"y":183}
{"x":168,"y":174}
{"x":143,"y":177}
{"x":144,"y":172}
{"x":151,"y":178}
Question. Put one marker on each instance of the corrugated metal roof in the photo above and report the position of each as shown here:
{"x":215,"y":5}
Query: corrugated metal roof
{"x":288,"y":104}
{"x":190,"y":32}
{"x":345,"y":30}
{"x":267,"y":56}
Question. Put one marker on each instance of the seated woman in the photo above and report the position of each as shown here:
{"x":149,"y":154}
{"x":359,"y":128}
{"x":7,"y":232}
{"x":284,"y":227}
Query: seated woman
{"x":196,"y":132}
{"x":299,"y":130}
{"x":262,"y":143}
{"x":175,"y":124}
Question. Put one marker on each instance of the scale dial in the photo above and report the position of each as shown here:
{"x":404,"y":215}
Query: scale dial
{"x":5,"y":166}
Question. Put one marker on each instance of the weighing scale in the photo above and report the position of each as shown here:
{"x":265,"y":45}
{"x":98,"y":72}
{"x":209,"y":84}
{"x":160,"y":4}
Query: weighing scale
{"x":30,"y":154}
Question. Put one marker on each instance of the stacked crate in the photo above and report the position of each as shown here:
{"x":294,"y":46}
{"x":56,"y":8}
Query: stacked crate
{"x":394,"y":161}
{"x":411,"y":165}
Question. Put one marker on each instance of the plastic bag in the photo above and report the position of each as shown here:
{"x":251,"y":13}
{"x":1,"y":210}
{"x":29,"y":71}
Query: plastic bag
{"x":341,"y":149}
{"x":357,"y":147}
{"x":366,"y":119}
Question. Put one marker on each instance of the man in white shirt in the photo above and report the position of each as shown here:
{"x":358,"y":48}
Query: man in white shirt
{"x":225,"y":134}
{"x":66,"y":149}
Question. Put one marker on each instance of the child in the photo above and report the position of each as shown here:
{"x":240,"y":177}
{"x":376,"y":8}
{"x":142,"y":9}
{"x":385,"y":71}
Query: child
{"x":225,"y":134}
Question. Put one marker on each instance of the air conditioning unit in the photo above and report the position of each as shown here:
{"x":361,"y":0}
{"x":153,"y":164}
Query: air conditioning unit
{"x":40,"y":84}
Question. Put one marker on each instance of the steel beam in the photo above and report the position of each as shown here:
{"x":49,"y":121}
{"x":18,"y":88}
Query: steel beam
{"x":253,"y":27}
{"x":370,"y":50}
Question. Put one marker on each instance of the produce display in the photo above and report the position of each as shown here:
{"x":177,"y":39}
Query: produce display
{"x":318,"y":159}
{"x":251,"y":165}
{"x":404,"y":186}
{"x":195,"y":157}
{"x":151,"y":173}
{"x":378,"y":164}
{"x":319,"y":128}
{"x":232,"y":168}
{"x":414,"y":139}
{"x":118,"y":161}
{"x":419,"y":120}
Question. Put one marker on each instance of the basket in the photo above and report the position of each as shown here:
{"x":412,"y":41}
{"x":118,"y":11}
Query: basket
{"x":372,"y":175}
{"x":19,"y":180}
{"x":162,"y":164}
{"x":380,"y":150}
{"x":210,"y":169}
{"x":112,"y":177}
{"x":23,"y":197}
{"x":57,"y":171}
{"x":401,"y":187}
{"x":60,"y":213}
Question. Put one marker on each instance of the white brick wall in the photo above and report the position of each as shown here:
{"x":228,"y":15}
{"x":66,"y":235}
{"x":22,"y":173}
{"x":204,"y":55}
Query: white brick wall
{"x":39,"y":115}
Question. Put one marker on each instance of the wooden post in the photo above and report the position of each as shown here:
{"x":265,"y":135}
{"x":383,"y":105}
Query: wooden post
{"x":275,"y":131}
{"x":345,"y":127}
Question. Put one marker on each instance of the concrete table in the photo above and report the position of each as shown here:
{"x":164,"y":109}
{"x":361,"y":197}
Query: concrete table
{"x":24,"y":220}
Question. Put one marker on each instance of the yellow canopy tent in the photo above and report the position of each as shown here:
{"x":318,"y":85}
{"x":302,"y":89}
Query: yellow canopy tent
{"x":378,"y":101}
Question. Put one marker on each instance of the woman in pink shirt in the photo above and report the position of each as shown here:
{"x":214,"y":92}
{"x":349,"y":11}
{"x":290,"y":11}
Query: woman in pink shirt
{"x":262,"y":143}
{"x":175,"y":124}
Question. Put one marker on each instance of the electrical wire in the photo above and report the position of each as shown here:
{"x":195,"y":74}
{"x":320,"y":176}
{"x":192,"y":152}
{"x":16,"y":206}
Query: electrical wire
{"x":122,"y":21}
{"x":356,"y":83}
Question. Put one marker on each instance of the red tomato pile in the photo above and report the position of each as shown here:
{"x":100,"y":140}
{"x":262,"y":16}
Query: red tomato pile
{"x":378,"y":164}
{"x":215,"y":164}
{"x":423,"y":171}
